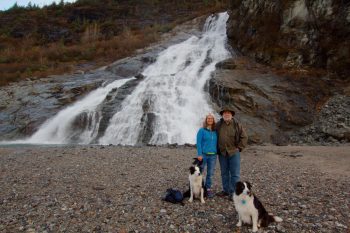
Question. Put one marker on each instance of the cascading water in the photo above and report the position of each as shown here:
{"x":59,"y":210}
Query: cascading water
{"x":170,"y":104}
{"x":62,"y":128}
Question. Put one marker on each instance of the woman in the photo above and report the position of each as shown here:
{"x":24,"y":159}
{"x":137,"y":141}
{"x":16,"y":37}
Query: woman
{"x":207,"y":150}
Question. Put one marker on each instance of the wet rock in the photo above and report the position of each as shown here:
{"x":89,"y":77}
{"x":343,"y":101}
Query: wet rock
{"x":132,"y":66}
{"x":294,"y":34}
{"x":112,"y":104}
{"x":269,"y":105}
{"x":147,"y":124}
{"x":228,"y":64}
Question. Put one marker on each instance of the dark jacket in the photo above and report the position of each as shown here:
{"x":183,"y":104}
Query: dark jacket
{"x":240,"y":138}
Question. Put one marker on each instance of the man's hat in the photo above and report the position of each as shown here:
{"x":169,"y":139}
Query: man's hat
{"x":227,"y":108}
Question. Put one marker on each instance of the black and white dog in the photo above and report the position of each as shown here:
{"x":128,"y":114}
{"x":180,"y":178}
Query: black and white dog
{"x":250,"y":209}
{"x":197,"y":189}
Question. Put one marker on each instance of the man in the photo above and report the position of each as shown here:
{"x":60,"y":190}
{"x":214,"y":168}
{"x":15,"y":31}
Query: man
{"x":232,"y":139}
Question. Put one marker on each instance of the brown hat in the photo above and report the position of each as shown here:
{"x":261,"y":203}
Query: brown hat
{"x":227,"y":108}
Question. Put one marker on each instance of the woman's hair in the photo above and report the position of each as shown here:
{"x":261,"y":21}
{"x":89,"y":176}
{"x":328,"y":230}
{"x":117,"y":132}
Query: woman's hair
{"x":205,"y":125}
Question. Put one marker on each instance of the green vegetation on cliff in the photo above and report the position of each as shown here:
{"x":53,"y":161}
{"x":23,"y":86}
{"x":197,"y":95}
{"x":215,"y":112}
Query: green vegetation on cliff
{"x":36,"y":42}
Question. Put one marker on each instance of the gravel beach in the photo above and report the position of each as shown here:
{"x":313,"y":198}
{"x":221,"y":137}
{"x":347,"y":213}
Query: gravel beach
{"x":119,"y":189}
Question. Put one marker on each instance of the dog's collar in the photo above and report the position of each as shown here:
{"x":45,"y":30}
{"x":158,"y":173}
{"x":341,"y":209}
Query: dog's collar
{"x":244,"y":202}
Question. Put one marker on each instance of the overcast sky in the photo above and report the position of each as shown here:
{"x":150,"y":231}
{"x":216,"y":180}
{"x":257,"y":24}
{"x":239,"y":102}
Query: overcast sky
{"x":5,"y":4}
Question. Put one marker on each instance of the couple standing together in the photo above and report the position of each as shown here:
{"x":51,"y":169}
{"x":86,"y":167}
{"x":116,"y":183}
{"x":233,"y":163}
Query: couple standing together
{"x":225,"y":139}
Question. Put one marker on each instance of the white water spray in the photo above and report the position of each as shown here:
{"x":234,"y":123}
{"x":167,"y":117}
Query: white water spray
{"x":62,"y":129}
{"x":173,"y":91}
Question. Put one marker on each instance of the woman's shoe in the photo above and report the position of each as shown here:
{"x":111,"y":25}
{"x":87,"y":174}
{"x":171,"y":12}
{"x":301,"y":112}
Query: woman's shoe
{"x":223,"y":194}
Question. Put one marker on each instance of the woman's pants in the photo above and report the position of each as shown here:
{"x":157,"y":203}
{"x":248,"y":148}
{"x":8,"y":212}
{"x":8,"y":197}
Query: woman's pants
{"x":209,"y":161}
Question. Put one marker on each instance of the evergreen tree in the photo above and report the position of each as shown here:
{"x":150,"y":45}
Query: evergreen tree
{"x":61,"y":4}
{"x":14,"y":7}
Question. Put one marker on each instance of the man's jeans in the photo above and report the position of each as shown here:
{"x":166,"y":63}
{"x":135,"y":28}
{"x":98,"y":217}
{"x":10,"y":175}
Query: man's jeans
{"x":210,"y":162}
{"x":230,"y":171}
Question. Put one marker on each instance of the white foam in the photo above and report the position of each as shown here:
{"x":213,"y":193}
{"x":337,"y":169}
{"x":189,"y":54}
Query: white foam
{"x":174,"y":90}
{"x":60,"y":129}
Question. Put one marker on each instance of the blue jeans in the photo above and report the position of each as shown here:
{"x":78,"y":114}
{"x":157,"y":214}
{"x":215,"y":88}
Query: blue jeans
{"x":209,"y":161}
{"x":230,"y":171}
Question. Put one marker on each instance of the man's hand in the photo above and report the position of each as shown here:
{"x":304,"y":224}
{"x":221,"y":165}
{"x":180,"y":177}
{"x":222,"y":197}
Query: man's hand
{"x":200,"y":158}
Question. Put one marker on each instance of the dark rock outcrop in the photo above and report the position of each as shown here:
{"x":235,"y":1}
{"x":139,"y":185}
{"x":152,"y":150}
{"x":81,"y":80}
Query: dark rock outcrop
{"x":332,"y":124}
{"x":269,"y":105}
{"x":112,"y":103}
{"x":297,"y":34}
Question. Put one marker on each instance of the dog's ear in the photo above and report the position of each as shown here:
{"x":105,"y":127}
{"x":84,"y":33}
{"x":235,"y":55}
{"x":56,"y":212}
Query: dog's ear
{"x":192,"y":170}
{"x":239,"y":183}
{"x":239,"y":187}
{"x":248,"y":185}
{"x":197,"y":162}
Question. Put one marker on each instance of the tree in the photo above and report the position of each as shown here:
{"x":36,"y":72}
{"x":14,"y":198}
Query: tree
{"x":29,"y":6}
{"x":61,"y":4}
{"x":16,"y":8}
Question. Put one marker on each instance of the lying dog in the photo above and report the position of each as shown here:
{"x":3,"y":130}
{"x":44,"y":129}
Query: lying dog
{"x":250,"y":209}
{"x":197,"y":189}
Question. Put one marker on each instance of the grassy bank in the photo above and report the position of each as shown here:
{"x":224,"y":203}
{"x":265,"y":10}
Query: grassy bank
{"x":36,"y":42}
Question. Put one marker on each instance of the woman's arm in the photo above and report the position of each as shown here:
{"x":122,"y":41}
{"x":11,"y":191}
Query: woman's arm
{"x":199,"y":142}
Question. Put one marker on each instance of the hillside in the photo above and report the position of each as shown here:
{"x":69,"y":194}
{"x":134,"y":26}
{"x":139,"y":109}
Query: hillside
{"x":59,"y":38}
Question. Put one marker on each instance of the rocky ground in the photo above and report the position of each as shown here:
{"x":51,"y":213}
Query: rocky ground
{"x":331,"y":126}
{"x":119,"y":189}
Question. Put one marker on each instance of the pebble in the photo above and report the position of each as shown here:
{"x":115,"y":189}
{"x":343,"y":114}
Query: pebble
{"x":337,"y":224}
{"x":112,"y":191}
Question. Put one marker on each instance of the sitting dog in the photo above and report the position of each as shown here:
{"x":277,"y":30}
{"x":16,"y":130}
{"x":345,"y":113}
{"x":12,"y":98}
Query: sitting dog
{"x":250,"y":209}
{"x":197,"y":189}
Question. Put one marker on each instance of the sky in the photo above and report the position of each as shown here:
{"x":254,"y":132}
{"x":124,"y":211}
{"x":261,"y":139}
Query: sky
{"x":5,"y":4}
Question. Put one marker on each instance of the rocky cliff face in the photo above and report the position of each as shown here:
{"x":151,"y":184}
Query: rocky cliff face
{"x":303,"y":52}
{"x":297,"y":34}
{"x":270,"y":106}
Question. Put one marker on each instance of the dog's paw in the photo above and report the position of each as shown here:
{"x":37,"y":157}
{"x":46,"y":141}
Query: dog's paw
{"x":190,"y":200}
{"x":255,"y":229}
{"x":239,"y":224}
{"x":202,"y":201}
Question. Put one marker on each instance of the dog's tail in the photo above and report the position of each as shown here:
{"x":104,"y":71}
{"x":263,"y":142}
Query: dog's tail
{"x":274,"y":218}
{"x":277,"y":219}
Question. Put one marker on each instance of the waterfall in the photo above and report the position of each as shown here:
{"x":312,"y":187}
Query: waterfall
{"x":167,"y":106}
{"x":77,"y":123}
{"x":170,"y":104}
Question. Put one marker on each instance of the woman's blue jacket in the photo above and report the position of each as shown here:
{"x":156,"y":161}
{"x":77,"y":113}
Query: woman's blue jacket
{"x":206,"y":142}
